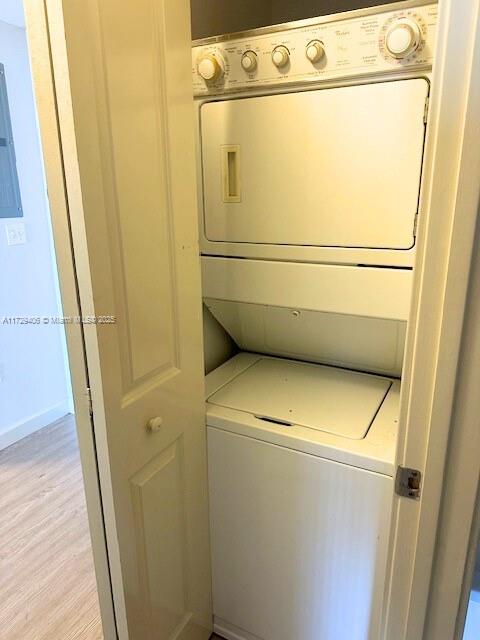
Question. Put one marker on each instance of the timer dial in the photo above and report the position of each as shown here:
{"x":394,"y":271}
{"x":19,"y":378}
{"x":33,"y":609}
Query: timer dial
{"x":403,"y":38}
{"x":210,"y":67}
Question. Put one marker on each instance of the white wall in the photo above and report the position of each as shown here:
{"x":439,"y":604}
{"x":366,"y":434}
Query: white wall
{"x":11,"y":11}
{"x":34,"y":387}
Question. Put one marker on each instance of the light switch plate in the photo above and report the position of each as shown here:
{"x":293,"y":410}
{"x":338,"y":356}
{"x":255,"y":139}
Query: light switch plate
{"x":15,"y":233}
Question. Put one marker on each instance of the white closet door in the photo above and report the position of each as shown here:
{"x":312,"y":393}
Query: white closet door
{"x":123,"y":81}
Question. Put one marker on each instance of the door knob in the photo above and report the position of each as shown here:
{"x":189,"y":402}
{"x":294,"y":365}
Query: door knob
{"x":154,"y":424}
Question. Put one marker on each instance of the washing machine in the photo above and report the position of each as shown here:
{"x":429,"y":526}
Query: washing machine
{"x":300,"y":462}
{"x":311,"y":139}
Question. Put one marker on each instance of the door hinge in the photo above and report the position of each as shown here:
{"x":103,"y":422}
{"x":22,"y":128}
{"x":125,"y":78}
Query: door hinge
{"x":425,"y":110}
{"x":408,"y":483}
{"x":88,"y":395}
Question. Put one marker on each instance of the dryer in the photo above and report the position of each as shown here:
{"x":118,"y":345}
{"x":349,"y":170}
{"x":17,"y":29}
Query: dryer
{"x":310,"y":182}
{"x":315,"y":160}
{"x":310,"y":150}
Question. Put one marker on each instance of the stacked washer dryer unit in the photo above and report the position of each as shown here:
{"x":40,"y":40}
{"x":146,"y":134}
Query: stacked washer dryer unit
{"x":310,"y":148}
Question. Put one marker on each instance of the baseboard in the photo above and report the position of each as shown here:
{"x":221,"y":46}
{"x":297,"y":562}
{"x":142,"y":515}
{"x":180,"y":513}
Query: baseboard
{"x":24,"y":428}
{"x":230,"y":631}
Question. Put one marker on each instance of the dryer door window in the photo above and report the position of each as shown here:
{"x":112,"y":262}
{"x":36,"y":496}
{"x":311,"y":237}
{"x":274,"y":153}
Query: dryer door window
{"x":329,"y":168}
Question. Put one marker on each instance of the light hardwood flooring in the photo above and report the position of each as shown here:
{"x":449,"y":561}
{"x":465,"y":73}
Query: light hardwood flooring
{"x":47,"y":583}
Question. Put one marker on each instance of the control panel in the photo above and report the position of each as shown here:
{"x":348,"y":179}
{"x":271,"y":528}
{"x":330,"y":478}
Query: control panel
{"x":319,"y":49}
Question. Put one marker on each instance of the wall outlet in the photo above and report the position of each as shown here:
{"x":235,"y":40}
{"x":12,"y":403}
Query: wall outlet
{"x":16,"y":233}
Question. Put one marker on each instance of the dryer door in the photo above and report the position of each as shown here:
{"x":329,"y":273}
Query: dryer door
{"x":330,"y":168}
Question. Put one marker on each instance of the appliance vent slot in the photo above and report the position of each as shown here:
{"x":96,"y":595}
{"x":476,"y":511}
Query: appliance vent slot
{"x":284,"y":423}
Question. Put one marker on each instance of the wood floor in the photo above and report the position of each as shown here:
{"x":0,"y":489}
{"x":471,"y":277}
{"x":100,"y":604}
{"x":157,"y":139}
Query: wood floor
{"x":47,"y":583}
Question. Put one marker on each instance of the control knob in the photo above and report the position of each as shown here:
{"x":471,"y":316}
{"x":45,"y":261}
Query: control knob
{"x":280,"y":56}
{"x":210,"y":67}
{"x":315,"y":51}
{"x":249,"y":61}
{"x":403,"y":37}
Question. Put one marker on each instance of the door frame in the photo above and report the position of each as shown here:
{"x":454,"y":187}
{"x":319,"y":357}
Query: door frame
{"x":445,"y":245}
{"x":38,"y":38}
{"x":456,"y":546}
{"x":441,"y":276}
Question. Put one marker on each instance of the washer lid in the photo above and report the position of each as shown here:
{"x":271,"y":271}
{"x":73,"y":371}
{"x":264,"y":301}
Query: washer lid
{"x":319,"y":397}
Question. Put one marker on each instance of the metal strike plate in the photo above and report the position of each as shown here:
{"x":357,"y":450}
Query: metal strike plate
{"x":408,"y":483}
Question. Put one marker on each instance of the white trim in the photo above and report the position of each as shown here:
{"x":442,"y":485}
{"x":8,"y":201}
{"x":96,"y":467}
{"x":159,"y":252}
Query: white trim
{"x":230,"y":632}
{"x":24,"y":428}
{"x":46,"y":97}
{"x":445,"y":243}
{"x":457,"y":545}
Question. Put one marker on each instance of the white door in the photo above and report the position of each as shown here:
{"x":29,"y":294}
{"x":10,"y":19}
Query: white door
{"x":123,"y":85}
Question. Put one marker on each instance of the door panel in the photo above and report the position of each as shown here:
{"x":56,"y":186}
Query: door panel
{"x":142,"y":214}
{"x":288,"y":158}
{"x":157,"y":494}
{"x":125,"y":105}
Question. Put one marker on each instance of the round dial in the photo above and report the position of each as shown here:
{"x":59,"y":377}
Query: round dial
{"x":210,"y":67}
{"x":280,"y":56}
{"x":249,"y":61}
{"x":315,"y":51}
{"x":403,"y":37}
